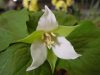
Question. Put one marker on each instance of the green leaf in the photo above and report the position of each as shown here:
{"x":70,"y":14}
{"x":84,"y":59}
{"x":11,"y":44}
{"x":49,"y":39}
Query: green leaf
{"x":16,"y":59}
{"x":5,"y":39}
{"x":64,"y":30}
{"x":15,"y":23}
{"x":52,"y":59}
{"x":36,"y":35}
{"x":12,"y":27}
{"x":33,"y":21}
{"x":86,"y":41}
{"x":65,"y":19}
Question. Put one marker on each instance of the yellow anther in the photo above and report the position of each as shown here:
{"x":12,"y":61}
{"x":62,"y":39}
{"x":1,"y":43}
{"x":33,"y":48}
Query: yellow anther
{"x":47,"y":34}
{"x":53,"y":34}
{"x":49,"y":39}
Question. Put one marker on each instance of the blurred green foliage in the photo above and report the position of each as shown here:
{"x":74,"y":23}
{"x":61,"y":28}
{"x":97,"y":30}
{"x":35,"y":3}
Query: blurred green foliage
{"x":15,"y":57}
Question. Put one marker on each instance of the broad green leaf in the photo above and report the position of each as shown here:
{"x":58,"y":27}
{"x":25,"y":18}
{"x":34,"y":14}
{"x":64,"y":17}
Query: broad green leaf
{"x":52,"y":59}
{"x":12,"y":27}
{"x":16,"y":59}
{"x":15,"y":22}
{"x":86,"y":41}
{"x":36,"y":35}
{"x":5,"y":39}
{"x":64,"y":30}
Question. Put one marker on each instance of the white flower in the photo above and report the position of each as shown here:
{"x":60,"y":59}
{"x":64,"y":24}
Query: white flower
{"x":61,"y":47}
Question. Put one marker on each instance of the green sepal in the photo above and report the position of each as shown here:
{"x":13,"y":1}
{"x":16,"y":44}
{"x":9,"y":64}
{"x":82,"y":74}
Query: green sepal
{"x":52,"y":59}
{"x":36,"y":35}
{"x":64,"y":30}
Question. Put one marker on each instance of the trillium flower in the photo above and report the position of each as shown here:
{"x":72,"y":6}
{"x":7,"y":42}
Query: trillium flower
{"x":61,"y":47}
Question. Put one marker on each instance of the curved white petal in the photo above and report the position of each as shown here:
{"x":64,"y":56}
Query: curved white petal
{"x":47,"y":21}
{"x":39,"y":55}
{"x":63,"y":49}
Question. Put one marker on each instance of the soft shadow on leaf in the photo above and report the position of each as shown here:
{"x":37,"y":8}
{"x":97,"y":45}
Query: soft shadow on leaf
{"x":61,"y":72}
{"x":33,"y":21}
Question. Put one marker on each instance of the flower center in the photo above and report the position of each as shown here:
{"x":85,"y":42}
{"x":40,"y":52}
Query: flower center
{"x":49,"y":38}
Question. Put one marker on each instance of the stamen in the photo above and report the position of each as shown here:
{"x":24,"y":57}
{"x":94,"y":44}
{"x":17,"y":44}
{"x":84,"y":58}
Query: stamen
{"x":49,"y":39}
{"x":53,"y":34}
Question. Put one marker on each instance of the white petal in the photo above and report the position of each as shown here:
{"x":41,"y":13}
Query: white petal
{"x":63,"y":49}
{"x":39,"y":55}
{"x":47,"y":21}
